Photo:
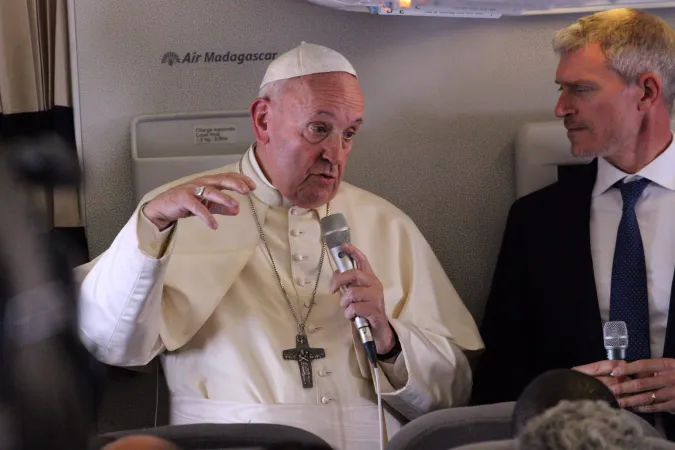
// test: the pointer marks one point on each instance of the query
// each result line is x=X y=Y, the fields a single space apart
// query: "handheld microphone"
x=616 y=339
x=335 y=232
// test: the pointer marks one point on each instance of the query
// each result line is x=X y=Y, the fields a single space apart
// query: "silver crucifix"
x=304 y=354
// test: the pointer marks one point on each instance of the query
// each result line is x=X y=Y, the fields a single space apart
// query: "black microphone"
x=616 y=339
x=335 y=233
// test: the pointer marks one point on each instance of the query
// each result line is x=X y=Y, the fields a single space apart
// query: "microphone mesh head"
x=335 y=230
x=615 y=334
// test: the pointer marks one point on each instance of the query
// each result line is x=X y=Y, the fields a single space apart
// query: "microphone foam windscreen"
x=615 y=334
x=335 y=230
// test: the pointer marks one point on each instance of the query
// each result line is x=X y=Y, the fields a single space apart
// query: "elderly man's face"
x=309 y=135
x=599 y=108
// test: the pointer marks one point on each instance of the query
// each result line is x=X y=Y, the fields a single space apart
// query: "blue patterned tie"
x=629 y=298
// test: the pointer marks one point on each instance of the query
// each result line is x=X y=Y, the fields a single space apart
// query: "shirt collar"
x=264 y=191
x=660 y=171
x=256 y=167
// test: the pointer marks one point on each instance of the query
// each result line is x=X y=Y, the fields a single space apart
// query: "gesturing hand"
x=182 y=201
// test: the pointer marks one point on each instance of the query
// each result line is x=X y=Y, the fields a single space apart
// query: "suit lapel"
x=576 y=189
x=669 y=345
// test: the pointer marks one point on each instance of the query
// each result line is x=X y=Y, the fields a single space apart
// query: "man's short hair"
x=554 y=386
x=634 y=43
x=581 y=425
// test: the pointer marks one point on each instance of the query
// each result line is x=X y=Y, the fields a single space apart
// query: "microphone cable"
x=380 y=411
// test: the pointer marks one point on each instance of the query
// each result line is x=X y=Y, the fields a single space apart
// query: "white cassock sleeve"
x=414 y=397
x=396 y=373
x=121 y=295
x=434 y=327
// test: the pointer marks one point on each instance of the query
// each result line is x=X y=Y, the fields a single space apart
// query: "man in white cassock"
x=223 y=271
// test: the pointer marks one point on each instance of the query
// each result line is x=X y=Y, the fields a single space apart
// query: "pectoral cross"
x=304 y=354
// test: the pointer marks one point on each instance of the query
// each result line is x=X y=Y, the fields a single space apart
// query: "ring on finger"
x=653 y=398
x=199 y=192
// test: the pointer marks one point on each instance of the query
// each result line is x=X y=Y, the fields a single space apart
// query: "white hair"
x=272 y=89
x=634 y=43
x=581 y=425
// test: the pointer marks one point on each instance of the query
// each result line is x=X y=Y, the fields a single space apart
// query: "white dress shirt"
x=656 y=217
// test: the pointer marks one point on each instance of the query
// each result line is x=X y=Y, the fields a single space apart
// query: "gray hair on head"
x=581 y=425
x=272 y=89
x=634 y=42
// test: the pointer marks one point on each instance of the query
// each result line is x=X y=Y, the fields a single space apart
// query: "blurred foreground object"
x=48 y=394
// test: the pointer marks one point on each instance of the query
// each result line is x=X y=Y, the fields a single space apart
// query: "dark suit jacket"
x=542 y=312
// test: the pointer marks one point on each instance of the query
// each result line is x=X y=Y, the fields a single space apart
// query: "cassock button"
x=322 y=373
x=298 y=257
x=325 y=400
x=296 y=233
x=300 y=281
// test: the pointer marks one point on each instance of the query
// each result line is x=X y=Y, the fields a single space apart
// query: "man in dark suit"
x=599 y=244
